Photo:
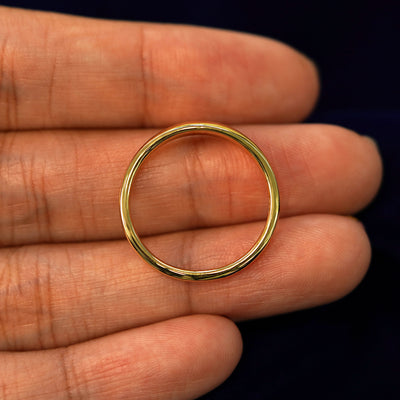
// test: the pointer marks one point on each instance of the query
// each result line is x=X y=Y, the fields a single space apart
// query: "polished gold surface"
x=195 y=129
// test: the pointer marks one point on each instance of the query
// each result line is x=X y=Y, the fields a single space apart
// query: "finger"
x=63 y=71
x=81 y=291
x=181 y=359
x=65 y=186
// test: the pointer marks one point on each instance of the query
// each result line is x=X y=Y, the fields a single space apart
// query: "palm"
x=77 y=99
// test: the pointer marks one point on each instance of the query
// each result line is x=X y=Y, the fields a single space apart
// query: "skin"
x=81 y=315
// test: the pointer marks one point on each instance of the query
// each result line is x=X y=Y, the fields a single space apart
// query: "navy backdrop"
x=349 y=349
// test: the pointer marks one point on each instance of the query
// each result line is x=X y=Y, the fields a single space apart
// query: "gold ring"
x=185 y=130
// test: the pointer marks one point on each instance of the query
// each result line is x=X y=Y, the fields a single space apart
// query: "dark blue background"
x=349 y=349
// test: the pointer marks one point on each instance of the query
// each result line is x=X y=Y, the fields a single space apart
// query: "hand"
x=78 y=97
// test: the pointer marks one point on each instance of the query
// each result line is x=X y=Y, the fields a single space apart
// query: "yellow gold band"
x=185 y=130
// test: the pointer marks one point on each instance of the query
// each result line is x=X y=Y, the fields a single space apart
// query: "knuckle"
x=24 y=210
x=26 y=314
x=8 y=88
x=74 y=384
x=194 y=171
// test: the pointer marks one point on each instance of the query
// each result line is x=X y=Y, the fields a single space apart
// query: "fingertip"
x=349 y=256
x=312 y=260
x=304 y=84
x=289 y=80
x=184 y=357
x=229 y=344
x=215 y=349
x=313 y=86
x=375 y=164
x=360 y=255
x=364 y=167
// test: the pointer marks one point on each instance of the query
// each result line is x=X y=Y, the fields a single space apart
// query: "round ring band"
x=194 y=129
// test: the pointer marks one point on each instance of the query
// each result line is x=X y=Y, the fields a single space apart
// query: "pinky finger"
x=181 y=358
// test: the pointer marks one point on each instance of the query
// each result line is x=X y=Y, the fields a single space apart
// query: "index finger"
x=59 y=71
